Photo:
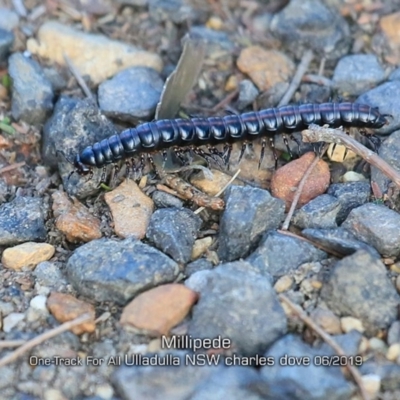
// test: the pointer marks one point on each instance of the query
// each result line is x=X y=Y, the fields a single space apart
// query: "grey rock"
x=131 y=95
x=49 y=274
x=198 y=265
x=8 y=19
x=6 y=41
x=356 y=73
x=311 y=25
x=233 y=383
x=176 y=11
x=320 y=212
x=358 y=286
x=293 y=382
x=279 y=254
x=174 y=230
x=387 y=371
x=395 y=75
x=376 y=225
x=236 y=303
x=339 y=240
x=162 y=200
x=173 y=382
x=387 y=98
x=74 y=125
x=247 y=94
x=218 y=44
x=57 y=80
x=248 y=213
x=394 y=333
x=109 y=270
x=22 y=220
x=314 y=93
x=350 y=195
x=32 y=93
x=388 y=151
x=8 y=374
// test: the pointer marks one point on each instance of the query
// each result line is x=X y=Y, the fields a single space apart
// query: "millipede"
x=188 y=135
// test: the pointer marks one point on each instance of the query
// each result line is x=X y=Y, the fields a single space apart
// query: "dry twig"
x=286 y=223
x=328 y=339
x=42 y=338
x=191 y=193
x=199 y=210
x=301 y=70
x=11 y=167
x=78 y=77
x=316 y=133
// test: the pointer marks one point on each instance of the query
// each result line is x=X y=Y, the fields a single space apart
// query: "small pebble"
x=286 y=180
x=39 y=303
x=210 y=186
x=131 y=210
x=350 y=195
x=351 y=176
x=279 y=254
x=65 y=307
x=11 y=321
x=327 y=320
x=393 y=335
x=393 y=352
x=174 y=230
x=376 y=225
x=248 y=213
x=200 y=247
x=131 y=95
x=311 y=24
x=49 y=274
x=358 y=287
x=238 y=303
x=162 y=200
x=388 y=37
x=350 y=323
x=199 y=265
x=32 y=93
x=26 y=255
x=357 y=73
x=320 y=212
x=74 y=220
x=386 y=98
x=93 y=55
x=283 y=284
x=377 y=345
x=265 y=67
x=8 y=19
x=177 y=11
x=372 y=384
x=158 y=310
x=111 y=270
x=247 y=94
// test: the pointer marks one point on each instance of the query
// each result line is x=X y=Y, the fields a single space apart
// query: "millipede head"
x=80 y=167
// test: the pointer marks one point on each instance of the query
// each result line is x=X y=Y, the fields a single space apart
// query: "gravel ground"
x=183 y=303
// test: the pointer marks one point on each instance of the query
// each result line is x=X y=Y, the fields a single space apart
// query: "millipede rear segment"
x=188 y=135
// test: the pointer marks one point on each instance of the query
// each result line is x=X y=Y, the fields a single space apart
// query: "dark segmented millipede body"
x=191 y=133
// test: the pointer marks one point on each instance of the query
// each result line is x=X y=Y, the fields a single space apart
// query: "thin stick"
x=316 y=133
x=199 y=210
x=301 y=70
x=78 y=77
x=318 y=79
x=328 y=339
x=42 y=338
x=11 y=167
x=286 y=223
x=4 y=344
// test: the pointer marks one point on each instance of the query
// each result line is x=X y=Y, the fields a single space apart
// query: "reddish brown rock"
x=65 y=307
x=286 y=179
x=131 y=210
x=74 y=220
x=160 y=309
x=27 y=255
x=265 y=67
x=388 y=39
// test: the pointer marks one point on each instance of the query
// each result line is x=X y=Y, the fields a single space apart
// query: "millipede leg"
x=263 y=144
x=285 y=140
x=103 y=175
x=272 y=144
x=298 y=142
x=227 y=154
x=128 y=168
x=242 y=150
x=153 y=165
